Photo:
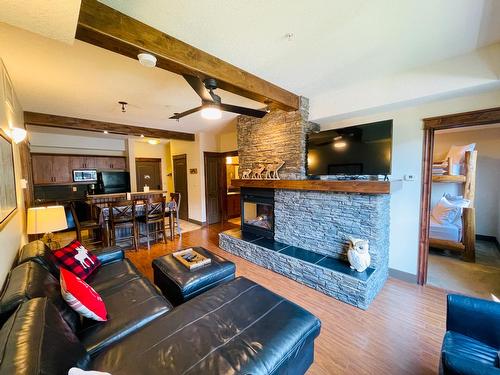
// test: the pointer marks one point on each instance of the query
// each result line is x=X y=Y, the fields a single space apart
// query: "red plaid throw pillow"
x=77 y=259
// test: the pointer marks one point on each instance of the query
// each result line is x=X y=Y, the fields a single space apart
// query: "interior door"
x=181 y=184
x=213 y=164
x=148 y=172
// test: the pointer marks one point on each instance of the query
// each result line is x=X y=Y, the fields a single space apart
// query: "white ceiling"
x=336 y=44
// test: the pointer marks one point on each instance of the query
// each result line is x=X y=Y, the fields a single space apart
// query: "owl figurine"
x=358 y=254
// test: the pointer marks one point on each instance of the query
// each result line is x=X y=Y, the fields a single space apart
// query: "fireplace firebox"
x=257 y=212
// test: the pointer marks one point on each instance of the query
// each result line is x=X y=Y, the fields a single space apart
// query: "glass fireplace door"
x=260 y=215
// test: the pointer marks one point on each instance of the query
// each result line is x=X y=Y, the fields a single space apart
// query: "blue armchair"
x=472 y=341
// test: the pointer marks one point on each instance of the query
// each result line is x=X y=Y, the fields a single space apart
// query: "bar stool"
x=173 y=214
x=154 y=216
x=92 y=226
x=122 y=217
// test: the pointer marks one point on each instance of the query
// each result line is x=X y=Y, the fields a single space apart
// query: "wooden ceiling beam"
x=55 y=121
x=103 y=26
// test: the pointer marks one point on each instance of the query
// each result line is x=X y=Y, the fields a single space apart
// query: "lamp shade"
x=46 y=219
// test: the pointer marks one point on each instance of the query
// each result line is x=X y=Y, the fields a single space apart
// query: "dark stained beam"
x=457 y=120
x=55 y=121
x=105 y=27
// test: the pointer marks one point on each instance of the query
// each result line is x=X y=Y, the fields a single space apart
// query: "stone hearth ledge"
x=345 y=285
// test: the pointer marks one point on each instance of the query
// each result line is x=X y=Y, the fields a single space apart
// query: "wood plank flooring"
x=401 y=332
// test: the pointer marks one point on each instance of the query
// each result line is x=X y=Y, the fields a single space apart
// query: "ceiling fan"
x=211 y=105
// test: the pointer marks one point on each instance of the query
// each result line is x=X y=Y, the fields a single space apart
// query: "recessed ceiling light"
x=153 y=141
x=147 y=60
x=105 y=132
x=142 y=135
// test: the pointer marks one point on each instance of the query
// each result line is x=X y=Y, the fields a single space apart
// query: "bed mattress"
x=446 y=231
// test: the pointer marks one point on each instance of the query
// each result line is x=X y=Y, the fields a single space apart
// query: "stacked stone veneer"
x=315 y=221
x=341 y=286
x=279 y=135
x=322 y=221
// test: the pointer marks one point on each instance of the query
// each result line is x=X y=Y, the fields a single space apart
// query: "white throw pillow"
x=446 y=211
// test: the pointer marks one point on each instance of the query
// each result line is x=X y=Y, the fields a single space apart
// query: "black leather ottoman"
x=179 y=284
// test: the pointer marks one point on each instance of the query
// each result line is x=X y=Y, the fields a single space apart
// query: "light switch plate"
x=409 y=177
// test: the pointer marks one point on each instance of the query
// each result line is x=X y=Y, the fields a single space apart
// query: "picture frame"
x=8 y=193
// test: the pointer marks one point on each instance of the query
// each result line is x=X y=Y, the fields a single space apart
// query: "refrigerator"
x=113 y=182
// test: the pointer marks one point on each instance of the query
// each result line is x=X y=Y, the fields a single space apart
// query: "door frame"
x=150 y=160
x=488 y=116
x=184 y=199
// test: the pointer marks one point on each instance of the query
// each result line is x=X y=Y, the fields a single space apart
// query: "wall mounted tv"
x=361 y=150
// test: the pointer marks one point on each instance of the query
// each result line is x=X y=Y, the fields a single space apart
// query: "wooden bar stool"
x=173 y=214
x=92 y=226
x=122 y=217
x=153 y=220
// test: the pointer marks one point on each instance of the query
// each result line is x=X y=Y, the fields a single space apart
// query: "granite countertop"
x=152 y=192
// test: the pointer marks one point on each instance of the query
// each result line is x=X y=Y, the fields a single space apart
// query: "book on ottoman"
x=191 y=259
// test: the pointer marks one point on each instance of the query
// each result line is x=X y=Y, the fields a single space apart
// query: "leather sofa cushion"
x=180 y=284
x=109 y=254
x=130 y=306
x=36 y=340
x=238 y=327
x=31 y=280
x=113 y=274
x=38 y=252
x=458 y=348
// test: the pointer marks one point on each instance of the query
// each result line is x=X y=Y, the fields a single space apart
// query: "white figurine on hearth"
x=358 y=254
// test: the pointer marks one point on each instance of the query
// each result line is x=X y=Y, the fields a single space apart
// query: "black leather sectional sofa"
x=238 y=327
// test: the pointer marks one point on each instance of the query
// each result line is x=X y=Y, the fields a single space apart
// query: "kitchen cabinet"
x=58 y=169
x=233 y=205
x=82 y=162
x=110 y=163
x=51 y=169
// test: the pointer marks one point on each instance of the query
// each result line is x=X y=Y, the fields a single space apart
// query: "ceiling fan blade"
x=199 y=87
x=243 y=110
x=177 y=116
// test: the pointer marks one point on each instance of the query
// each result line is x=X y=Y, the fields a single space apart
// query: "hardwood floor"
x=401 y=332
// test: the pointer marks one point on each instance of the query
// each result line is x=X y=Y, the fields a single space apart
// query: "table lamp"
x=46 y=220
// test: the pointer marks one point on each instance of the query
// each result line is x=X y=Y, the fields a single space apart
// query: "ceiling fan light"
x=211 y=113
x=147 y=60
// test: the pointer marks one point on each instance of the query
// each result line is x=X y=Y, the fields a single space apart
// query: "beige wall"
x=11 y=232
x=407 y=159
x=487 y=177
x=141 y=149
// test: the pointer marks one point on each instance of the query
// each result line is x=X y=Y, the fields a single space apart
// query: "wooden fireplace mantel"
x=357 y=186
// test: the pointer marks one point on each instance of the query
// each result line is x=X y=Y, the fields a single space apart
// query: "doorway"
x=148 y=173
x=461 y=253
x=222 y=200
x=181 y=183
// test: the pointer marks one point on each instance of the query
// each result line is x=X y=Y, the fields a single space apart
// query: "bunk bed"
x=462 y=238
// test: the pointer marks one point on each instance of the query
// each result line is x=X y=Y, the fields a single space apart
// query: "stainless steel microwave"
x=84 y=175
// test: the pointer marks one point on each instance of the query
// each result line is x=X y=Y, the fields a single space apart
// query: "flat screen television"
x=361 y=150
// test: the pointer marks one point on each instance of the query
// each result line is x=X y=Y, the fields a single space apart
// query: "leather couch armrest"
x=474 y=317
x=109 y=254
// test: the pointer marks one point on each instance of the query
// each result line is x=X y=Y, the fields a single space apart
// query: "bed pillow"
x=448 y=210
x=457 y=155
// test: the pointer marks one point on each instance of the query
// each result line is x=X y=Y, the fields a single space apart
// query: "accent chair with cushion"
x=471 y=344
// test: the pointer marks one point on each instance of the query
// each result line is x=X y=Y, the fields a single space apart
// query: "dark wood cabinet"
x=58 y=169
x=110 y=163
x=233 y=206
x=82 y=162
x=51 y=169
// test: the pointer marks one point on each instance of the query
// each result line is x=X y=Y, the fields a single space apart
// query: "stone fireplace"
x=303 y=233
